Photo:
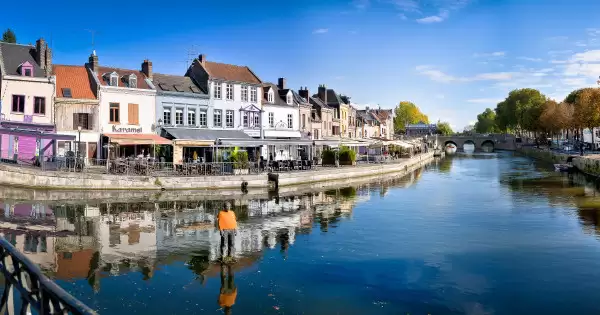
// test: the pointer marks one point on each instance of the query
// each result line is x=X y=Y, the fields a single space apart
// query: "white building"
x=127 y=109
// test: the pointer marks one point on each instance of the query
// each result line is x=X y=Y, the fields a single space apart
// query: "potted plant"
x=240 y=162
x=347 y=156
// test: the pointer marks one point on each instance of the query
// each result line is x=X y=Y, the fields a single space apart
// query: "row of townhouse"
x=100 y=111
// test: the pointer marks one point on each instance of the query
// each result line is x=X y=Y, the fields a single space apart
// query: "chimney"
x=202 y=59
x=367 y=108
x=40 y=52
x=323 y=93
x=48 y=61
x=147 y=68
x=93 y=61
x=281 y=83
x=303 y=92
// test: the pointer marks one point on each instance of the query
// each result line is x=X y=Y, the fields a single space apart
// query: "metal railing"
x=34 y=291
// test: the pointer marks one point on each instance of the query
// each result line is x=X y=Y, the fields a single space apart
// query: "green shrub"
x=239 y=159
x=328 y=157
x=347 y=156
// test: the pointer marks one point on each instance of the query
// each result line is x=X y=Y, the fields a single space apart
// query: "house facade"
x=386 y=119
x=26 y=100
x=235 y=96
x=76 y=109
x=327 y=98
x=127 y=110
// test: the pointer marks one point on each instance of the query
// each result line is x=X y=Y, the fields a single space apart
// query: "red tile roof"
x=141 y=77
x=76 y=78
x=230 y=72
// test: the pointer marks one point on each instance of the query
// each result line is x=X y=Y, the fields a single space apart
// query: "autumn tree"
x=521 y=110
x=444 y=128
x=486 y=122
x=587 y=109
x=408 y=113
x=9 y=36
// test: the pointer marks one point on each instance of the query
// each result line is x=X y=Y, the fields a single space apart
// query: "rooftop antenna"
x=93 y=32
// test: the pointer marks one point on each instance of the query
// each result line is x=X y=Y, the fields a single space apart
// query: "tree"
x=9 y=36
x=587 y=109
x=408 y=113
x=520 y=110
x=444 y=128
x=486 y=122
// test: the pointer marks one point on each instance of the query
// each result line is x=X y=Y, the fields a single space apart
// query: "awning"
x=204 y=134
x=35 y=134
x=282 y=134
x=138 y=138
x=251 y=142
x=402 y=144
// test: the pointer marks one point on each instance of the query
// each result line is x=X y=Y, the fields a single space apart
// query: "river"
x=471 y=234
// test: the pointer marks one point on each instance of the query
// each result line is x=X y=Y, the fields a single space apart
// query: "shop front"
x=119 y=145
x=25 y=140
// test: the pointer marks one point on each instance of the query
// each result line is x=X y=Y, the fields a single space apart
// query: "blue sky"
x=453 y=58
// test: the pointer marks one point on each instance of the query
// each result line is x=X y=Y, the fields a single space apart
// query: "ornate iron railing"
x=26 y=287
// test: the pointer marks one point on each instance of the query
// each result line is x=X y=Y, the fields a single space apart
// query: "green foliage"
x=347 y=156
x=408 y=113
x=521 y=110
x=486 y=122
x=328 y=157
x=239 y=159
x=9 y=36
x=444 y=128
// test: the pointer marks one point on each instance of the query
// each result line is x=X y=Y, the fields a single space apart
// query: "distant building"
x=421 y=129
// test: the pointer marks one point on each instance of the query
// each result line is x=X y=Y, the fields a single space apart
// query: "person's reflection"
x=228 y=292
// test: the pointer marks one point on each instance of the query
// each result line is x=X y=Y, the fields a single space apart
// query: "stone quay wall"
x=16 y=176
x=588 y=164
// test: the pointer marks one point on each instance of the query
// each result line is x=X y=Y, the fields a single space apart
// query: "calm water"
x=472 y=234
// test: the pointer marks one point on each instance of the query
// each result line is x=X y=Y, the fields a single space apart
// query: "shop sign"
x=116 y=129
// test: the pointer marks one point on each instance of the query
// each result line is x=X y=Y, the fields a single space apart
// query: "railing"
x=34 y=291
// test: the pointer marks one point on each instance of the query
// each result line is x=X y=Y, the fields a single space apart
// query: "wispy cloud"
x=436 y=75
x=559 y=52
x=530 y=59
x=434 y=18
x=440 y=96
x=402 y=16
x=484 y=101
x=496 y=54
x=406 y=5
x=557 y=38
x=426 y=9
x=361 y=4
x=321 y=31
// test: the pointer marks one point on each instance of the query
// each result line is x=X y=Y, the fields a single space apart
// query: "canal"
x=475 y=233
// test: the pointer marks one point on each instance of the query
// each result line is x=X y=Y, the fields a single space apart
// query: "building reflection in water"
x=95 y=240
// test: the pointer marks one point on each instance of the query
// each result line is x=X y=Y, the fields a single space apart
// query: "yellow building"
x=344 y=113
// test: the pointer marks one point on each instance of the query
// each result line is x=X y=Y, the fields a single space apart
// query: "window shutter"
x=90 y=124
x=75 y=121
x=133 y=114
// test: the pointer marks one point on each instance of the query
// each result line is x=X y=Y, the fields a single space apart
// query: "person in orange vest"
x=228 y=229
x=228 y=292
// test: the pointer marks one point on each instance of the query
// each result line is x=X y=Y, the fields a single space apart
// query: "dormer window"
x=132 y=81
x=113 y=79
x=270 y=97
x=289 y=99
x=26 y=69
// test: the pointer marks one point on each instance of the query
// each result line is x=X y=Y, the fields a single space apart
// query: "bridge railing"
x=27 y=287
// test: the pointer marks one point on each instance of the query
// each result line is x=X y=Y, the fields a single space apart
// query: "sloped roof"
x=280 y=95
x=141 y=77
x=13 y=55
x=229 y=72
x=75 y=78
x=175 y=83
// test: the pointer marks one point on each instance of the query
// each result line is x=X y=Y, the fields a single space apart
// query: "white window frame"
x=179 y=119
x=229 y=91
x=253 y=94
x=271 y=119
x=132 y=80
x=217 y=90
x=203 y=118
x=191 y=114
x=256 y=120
x=290 y=121
x=228 y=123
x=244 y=93
x=165 y=111
x=270 y=96
x=218 y=118
x=115 y=77
x=289 y=99
x=245 y=119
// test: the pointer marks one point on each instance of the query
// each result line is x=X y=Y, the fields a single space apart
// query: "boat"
x=562 y=167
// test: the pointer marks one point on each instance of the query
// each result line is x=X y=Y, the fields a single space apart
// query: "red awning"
x=138 y=138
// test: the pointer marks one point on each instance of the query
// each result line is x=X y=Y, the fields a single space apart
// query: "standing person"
x=228 y=228
x=228 y=292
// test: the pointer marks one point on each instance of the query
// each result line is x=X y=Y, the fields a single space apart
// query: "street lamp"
x=79 y=141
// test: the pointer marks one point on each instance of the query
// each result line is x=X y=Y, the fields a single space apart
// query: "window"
x=166 y=116
x=229 y=90
x=203 y=118
x=114 y=113
x=290 y=121
x=218 y=118
x=39 y=105
x=289 y=99
x=217 y=90
x=179 y=117
x=253 y=94
x=256 y=120
x=133 y=114
x=114 y=80
x=271 y=120
x=132 y=81
x=303 y=121
x=191 y=119
x=18 y=103
x=245 y=119
x=244 y=93
x=28 y=72
x=229 y=119
x=67 y=92
x=270 y=97
x=83 y=120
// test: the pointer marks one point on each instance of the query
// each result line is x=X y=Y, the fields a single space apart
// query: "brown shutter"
x=75 y=121
x=133 y=114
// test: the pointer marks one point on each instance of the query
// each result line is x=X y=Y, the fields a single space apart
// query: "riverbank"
x=34 y=178
x=588 y=164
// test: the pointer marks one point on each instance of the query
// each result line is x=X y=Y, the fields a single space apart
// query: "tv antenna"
x=93 y=32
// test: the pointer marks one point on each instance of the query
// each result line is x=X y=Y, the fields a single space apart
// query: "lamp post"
x=78 y=141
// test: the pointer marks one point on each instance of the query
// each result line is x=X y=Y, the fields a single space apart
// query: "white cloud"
x=439 y=76
x=406 y=5
x=361 y=4
x=588 y=56
x=580 y=44
x=440 y=96
x=412 y=7
x=530 y=59
x=321 y=31
x=434 y=18
x=557 y=62
x=493 y=76
x=574 y=81
x=495 y=54
x=559 y=52
x=485 y=101
x=402 y=16
x=557 y=38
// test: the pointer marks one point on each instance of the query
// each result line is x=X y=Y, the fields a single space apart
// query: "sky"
x=453 y=58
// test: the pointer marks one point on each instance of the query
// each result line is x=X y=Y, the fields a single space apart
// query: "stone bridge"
x=497 y=142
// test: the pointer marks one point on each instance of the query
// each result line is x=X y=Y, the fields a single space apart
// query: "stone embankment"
x=11 y=175
x=589 y=164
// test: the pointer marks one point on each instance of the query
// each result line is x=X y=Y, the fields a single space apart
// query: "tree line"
x=407 y=113
x=528 y=110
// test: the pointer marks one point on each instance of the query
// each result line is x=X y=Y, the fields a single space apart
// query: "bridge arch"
x=488 y=143
x=469 y=142
x=450 y=142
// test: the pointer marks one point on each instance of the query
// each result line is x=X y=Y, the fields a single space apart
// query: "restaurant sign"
x=116 y=129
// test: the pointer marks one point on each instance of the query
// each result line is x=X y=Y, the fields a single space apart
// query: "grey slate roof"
x=315 y=100
x=13 y=55
x=203 y=134
x=280 y=95
x=175 y=83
